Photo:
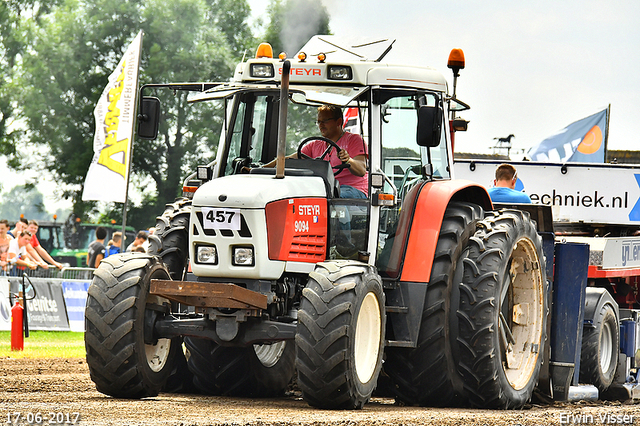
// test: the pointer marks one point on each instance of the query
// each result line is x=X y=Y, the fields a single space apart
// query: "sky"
x=532 y=68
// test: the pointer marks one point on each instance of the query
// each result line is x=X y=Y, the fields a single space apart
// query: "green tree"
x=16 y=17
x=80 y=43
x=23 y=200
x=74 y=50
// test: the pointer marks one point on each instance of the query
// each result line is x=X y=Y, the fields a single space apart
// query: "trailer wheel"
x=502 y=312
x=170 y=240
x=600 y=347
x=340 y=335
x=124 y=359
x=254 y=371
x=426 y=375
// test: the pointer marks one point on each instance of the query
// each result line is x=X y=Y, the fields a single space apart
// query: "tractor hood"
x=256 y=191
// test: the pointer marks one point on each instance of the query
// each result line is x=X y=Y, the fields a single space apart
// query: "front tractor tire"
x=123 y=358
x=503 y=311
x=340 y=335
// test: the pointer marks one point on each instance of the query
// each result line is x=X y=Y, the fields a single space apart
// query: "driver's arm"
x=358 y=163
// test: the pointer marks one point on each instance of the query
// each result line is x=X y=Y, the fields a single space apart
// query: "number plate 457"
x=221 y=218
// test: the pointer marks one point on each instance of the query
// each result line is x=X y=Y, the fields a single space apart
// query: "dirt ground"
x=61 y=391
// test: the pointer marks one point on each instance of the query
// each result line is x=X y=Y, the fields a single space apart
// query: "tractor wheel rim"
x=367 y=337
x=606 y=345
x=520 y=329
x=269 y=355
x=158 y=354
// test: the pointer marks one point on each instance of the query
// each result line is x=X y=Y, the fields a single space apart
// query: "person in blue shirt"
x=114 y=246
x=503 y=190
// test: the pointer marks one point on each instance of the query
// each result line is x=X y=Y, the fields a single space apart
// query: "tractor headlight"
x=206 y=254
x=262 y=71
x=243 y=256
x=340 y=72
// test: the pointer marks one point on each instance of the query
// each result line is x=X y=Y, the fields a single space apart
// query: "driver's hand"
x=344 y=156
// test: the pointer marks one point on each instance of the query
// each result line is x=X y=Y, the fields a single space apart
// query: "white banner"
x=115 y=111
x=589 y=193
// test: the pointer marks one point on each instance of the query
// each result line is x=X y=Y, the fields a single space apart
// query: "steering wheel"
x=336 y=169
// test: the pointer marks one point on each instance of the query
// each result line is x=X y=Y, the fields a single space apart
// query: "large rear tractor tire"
x=170 y=240
x=503 y=311
x=123 y=358
x=254 y=371
x=427 y=375
x=600 y=347
x=340 y=335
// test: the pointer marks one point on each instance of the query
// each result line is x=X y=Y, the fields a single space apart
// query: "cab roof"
x=353 y=62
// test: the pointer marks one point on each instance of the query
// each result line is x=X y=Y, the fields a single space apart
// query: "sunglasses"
x=324 y=121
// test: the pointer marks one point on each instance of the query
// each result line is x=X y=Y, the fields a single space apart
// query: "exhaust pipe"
x=282 y=119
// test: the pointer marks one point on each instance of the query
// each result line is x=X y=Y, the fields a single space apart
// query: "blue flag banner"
x=579 y=142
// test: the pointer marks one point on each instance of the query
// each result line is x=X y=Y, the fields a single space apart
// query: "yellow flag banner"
x=115 y=111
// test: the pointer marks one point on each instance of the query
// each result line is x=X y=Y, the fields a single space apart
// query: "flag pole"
x=135 y=120
x=606 y=134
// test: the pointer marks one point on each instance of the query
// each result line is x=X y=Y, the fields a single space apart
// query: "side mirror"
x=459 y=124
x=429 y=126
x=149 y=118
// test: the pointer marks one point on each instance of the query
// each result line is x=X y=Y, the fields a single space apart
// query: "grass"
x=45 y=344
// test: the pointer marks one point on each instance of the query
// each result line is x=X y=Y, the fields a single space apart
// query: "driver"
x=353 y=180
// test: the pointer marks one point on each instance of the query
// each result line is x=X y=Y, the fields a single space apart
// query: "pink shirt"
x=354 y=145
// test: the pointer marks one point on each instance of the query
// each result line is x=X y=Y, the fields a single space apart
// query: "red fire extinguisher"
x=17 y=338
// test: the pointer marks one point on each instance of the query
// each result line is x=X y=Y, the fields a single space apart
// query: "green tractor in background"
x=68 y=241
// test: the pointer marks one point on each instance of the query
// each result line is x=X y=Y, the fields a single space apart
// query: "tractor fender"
x=595 y=299
x=426 y=220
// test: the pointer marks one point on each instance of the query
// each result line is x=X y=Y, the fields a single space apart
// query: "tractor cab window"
x=402 y=161
x=51 y=237
x=250 y=139
x=235 y=145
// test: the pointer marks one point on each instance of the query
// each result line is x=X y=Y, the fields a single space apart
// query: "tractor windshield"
x=252 y=127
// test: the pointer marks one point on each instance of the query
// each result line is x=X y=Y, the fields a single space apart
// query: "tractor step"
x=208 y=295
x=399 y=343
x=397 y=309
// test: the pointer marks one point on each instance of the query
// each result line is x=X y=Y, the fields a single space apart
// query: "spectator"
x=141 y=238
x=20 y=226
x=5 y=238
x=139 y=249
x=503 y=190
x=96 y=249
x=42 y=254
x=17 y=254
x=114 y=245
